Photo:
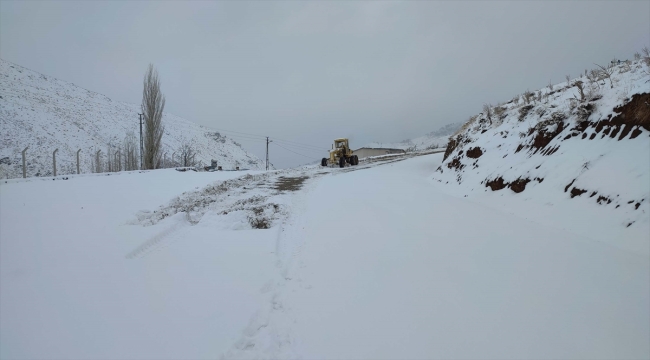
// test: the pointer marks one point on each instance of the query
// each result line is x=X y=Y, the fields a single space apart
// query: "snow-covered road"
x=372 y=262
x=391 y=267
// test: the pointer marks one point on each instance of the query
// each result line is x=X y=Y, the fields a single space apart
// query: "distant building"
x=365 y=152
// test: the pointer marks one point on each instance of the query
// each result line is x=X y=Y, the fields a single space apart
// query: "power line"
x=297 y=143
x=309 y=157
x=239 y=132
x=244 y=138
x=302 y=148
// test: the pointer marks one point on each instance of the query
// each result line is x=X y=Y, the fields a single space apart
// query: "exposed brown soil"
x=566 y=188
x=455 y=164
x=636 y=132
x=550 y=151
x=635 y=112
x=603 y=199
x=519 y=185
x=582 y=126
x=474 y=153
x=290 y=183
x=543 y=137
x=451 y=146
x=636 y=206
x=577 y=192
x=496 y=184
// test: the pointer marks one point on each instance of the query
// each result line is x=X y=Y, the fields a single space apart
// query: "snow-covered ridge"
x=45 y=113
x=578 y=150
x=433 y=140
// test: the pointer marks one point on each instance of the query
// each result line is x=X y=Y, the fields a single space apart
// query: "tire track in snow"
x=157 y=240
x=269 y=333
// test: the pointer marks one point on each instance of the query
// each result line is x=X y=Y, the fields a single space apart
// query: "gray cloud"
x=313 y=71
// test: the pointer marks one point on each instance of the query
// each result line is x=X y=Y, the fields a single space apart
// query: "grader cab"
x=340 y=154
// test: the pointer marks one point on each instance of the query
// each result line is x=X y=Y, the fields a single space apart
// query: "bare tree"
x=130 y=150
x=487 y=110
x=187 y=154
x=606 y=73
x=528 y=96
x=515 y=100
x=153 y=104
x=646 y=55
x=578 y=84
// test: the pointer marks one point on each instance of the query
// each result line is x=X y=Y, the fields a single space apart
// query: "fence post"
x=78 y=160
x=54 y=160
x=24 y=168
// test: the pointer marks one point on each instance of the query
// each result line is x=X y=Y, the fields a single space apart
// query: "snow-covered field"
x=45 y=113
x=374 y=261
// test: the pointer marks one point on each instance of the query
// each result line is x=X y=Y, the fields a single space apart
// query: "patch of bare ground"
x=635 y=112
x=474 y=153
x=290 y=183
x=566 y=188
x=630 y=119
x=543 y=136
x=455 y=164
x=451 y=146
x=517 y=186
x=496 y=184
x=577 y=192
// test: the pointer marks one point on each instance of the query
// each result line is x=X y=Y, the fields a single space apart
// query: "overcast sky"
x=312 y=71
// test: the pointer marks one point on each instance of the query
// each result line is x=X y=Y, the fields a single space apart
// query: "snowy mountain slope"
x=45 y=113
x=432 y=140
x=389 y=270
x=569 y=158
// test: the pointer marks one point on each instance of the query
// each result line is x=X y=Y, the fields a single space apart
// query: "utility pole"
x=141 y=144
x=267 y=152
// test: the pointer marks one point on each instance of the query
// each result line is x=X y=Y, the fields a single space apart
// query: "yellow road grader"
x=340 y=154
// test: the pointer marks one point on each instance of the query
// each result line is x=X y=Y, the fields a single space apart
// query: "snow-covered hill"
x=575 y=155
x=432 y=140
x=44 y=113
